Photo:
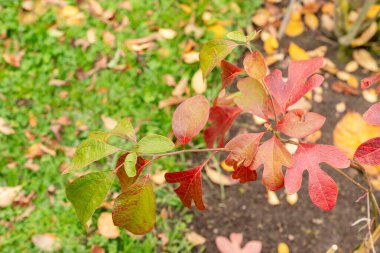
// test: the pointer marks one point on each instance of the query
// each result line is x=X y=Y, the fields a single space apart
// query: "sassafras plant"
x=266 y=96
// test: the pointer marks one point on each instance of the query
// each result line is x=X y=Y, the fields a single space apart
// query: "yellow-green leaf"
x=154 y=144
x=237 y=36
x=129 y=164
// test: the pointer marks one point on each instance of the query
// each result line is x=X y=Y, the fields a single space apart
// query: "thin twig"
x=285 y=21
x=350 y=179
x=186 y=151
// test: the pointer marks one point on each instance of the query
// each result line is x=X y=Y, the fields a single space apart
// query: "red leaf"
x=298 y=84
x=372 y=116
x=126 y=181
x=254 y=65
x=229 y=72
x=221 y=118
x=369 y=152
x=273 y=155
x=243 y=149
x=369 y=81
x=234 y=244
x=190 y=185
x=190 y=117
x=323 y=190
x=299 y=124
x=253 y=98
x=244 y=174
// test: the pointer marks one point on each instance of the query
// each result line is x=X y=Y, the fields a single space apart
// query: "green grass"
x=134 y=93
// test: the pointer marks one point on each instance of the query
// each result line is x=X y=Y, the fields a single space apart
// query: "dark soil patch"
x=304 y=227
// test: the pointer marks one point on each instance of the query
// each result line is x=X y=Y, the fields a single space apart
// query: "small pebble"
x=292 y=198
x=351 y=66
x=272 y=198
x=340 y=107
x=318 y=90
x=370 y=95
x=343 y=75
x=318 y=98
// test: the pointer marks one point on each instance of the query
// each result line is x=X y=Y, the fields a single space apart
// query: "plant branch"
x=350 y=179
x=351 y=34
x=285 y=21
x=156 y=156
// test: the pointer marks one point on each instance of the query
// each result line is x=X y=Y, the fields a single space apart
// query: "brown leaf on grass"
x=158 y=177
x=24 y=200
x=8 y=194
x=38 y=150
x=106 y=227
x=191 y=57
x=181 y=87
x=170 y=101
x=58 y=83
x=47 y=242
x=109 y=123
x=169 y=80
x=95 y=8
x=167 y=33
x=14 y=59
x=5 y=127
x=32 y=119
x=164 y=238
x=109 y=38
x=31 y=165
x=365 y=36
x=71 y=16
x=195 y=238
x=97 y=249
x=197 y=83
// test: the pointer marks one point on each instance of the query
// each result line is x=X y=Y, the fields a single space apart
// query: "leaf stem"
x=270 y=98
x=350 y=179
x=156 y=156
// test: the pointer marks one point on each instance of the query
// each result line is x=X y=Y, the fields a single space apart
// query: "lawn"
x=78 y=73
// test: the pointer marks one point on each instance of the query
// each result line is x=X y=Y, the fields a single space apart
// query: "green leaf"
x=154 y=143
x=87 y=192
x=125 y=129
x=90 y=151
x=135 y=209
x=100 y=136
x=213 y=52
x=251 y=36
x=237 y=36
x=130 y=163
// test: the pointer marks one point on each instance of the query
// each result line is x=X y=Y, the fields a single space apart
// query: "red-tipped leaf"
x=221 y=119
x=126 y=181
x=229 y=72
x=254 y=65
x=190 y=117
x=299 y=124
x=369 y=152
x=323 y=190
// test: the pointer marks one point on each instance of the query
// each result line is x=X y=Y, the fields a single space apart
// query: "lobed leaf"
x=190 y=188
x=87 y=192
x=298 y=84
x=221 y=119
x=213 y=52
x=90 y=151
x=273 y=155
x=125 y=180
x=244 y=174
x=154 y=144
x=372 y=115
x=190 y=117
x=369 y=152
x=255 y=66
x=130 y=164
x=135 y=209
x=252 y=97
x=229 y=72
x=299 y=124
x=323 y=190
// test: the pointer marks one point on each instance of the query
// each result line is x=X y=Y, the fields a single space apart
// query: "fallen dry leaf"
x=97 y=249
x=327 y=22
x=297 y=53
x=295 y=26
x=234 y=244
x=8 y=194
x=195 y=238
x=364 y=59
x=218 y=178
x=158 y=177
x=197 y=83
x=167 y=33
x=109 y=38
x=272 y=198
x=5 y=127
x=14 y=59
x=283 y=248
x=47 y=242
x=191 y=57
x=109 y=123
x=106 y=227
x=365 y=36
x=311 y=21
x=181 y=87
x=170 y=101
x=292 y=198
x=271 y=44
x=370 y=95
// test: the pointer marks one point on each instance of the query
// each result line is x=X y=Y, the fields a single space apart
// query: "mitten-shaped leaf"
x=323 y=190
x=299 y=124
x=369 y=81
x=254 y=65
x=125 y=180
x=234 y=244
x=190 y=117
x=229 y=72
x=369 y=152
x=213 y=52
x=298 y=84
x=221 y=119
x=243 y=149
x=272 y=154
x=87 y=192
x=244 y=174
x=90 y=151
x=135 y=209
x=372 y=115
x=252 y=97
x=190 y=186
x=154 y=144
